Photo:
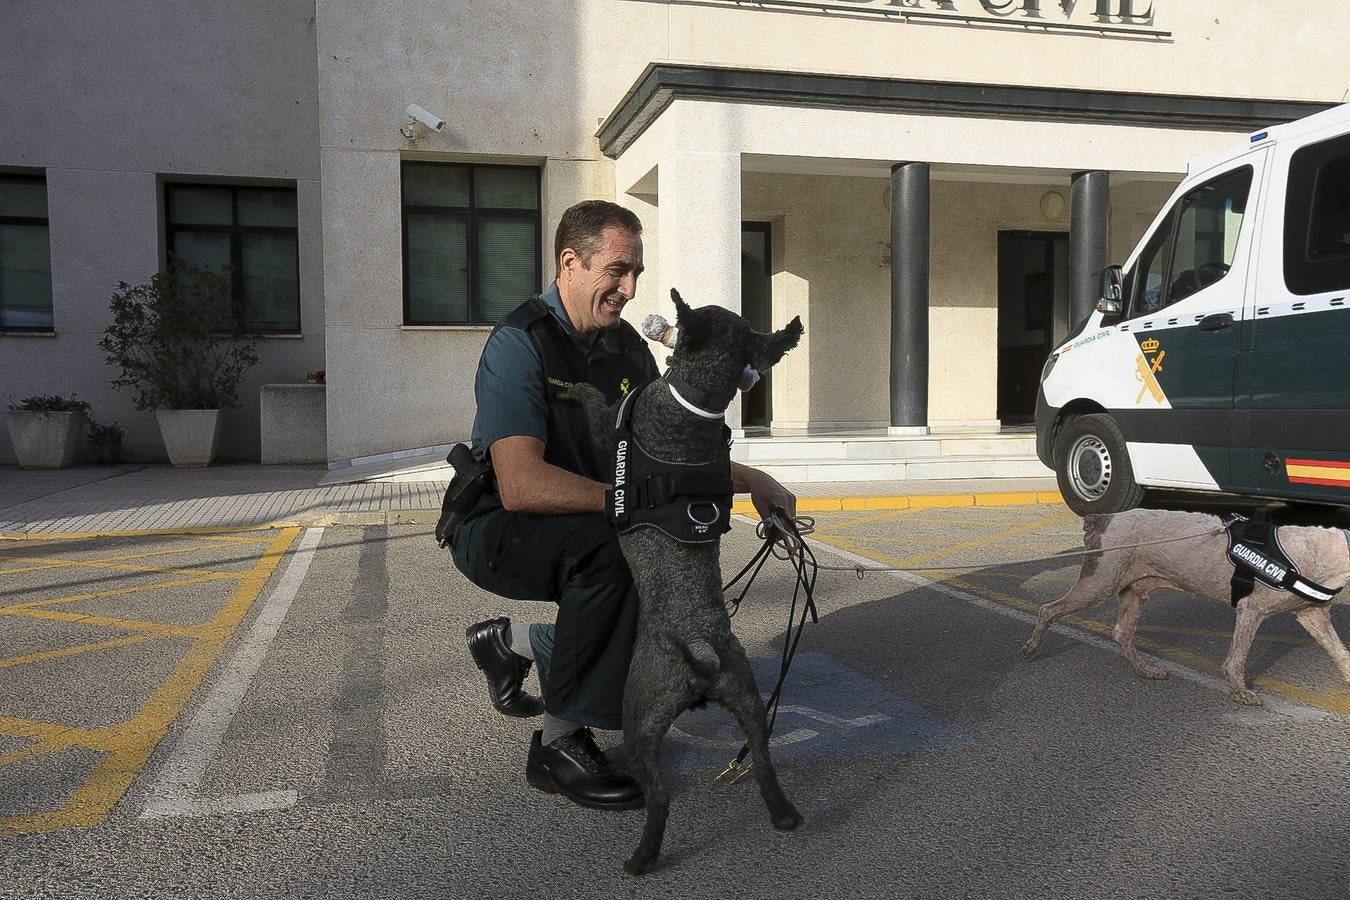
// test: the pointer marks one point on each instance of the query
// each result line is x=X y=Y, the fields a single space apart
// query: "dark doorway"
x=756 y=307
x=1033 y=303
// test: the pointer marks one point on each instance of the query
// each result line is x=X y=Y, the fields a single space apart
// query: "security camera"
x=429 y=119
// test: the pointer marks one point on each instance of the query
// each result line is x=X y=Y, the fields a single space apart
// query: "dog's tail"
x=702 y=658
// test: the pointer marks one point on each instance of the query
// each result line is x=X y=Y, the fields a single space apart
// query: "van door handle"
x=1216 y=321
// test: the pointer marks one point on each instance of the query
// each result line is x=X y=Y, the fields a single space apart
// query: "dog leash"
x=860 y=570
x=778 y=531
x=785 y=535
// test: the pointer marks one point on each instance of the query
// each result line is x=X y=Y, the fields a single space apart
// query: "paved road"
x=290 y=712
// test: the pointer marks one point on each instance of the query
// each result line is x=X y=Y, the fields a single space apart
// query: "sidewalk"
x=159 y=497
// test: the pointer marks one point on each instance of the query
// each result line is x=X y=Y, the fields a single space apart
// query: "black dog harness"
x=690 y=502
x=1255 y=551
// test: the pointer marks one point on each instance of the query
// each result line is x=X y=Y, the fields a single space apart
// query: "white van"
x=1218 y=358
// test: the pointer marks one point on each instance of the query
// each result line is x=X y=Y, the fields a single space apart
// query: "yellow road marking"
x=63 y=652
x=917 y=501
x=979 y=542
x=1337 y=701
x=159 y=629
x=103 y=564
x=906 y=539
x=126 y=746
x=115 y=592
x=36 y=731
x=143 y=532
x=106 y=561
x=864 y=520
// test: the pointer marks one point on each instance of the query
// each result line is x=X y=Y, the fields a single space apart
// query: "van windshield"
x=1194 y=247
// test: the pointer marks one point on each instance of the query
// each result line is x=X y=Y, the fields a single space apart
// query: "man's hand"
x=765 y=492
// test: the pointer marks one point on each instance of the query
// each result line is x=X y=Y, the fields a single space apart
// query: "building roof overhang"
x=661 y=84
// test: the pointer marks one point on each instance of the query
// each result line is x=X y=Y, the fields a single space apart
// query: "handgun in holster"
x=472 y=479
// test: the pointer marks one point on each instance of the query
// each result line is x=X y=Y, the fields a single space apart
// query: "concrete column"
x=1089 y=211
x=909 y=298
x=699 y=220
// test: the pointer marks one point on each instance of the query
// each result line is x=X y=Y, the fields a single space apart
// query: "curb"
x=913 y=501
x=358 y=519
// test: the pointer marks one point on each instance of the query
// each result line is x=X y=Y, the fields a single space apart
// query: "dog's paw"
x=788 y=821
x=1152 y=672
x=1030 y=647
x=1248 y=698
x=636 y=865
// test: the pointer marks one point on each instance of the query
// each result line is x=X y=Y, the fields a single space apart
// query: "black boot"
x=579 y=770
x=504 y=669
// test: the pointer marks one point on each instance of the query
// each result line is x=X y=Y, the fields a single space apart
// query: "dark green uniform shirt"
x=512 y=395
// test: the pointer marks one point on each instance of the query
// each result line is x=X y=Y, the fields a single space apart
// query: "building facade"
x=932 y=185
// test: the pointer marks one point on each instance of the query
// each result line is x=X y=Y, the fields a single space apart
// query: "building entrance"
x=756 y=307
x=1033 y=308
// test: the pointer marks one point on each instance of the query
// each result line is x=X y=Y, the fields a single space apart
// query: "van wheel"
x=1093 y=467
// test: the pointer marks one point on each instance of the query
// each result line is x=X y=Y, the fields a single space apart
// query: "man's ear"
x=774 y=345
x=694 y=327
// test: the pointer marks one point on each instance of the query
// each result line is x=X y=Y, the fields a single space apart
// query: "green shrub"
x=50 y=403
x=174 y=340
x=107 y=441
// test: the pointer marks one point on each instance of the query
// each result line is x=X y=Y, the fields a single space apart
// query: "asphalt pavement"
x=287 y=709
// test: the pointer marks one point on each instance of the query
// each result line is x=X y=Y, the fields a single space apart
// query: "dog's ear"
x=772 y=346
x=694 y=327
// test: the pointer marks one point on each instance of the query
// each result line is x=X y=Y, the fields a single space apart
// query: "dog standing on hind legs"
x=1199 y=565
x=685 y=652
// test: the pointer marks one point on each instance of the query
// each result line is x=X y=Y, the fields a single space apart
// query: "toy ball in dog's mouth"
x=656 y=328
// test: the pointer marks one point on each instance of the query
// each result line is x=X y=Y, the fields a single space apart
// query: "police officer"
x=542 y=533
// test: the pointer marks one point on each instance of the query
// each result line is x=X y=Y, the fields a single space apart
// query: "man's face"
x=595 y=294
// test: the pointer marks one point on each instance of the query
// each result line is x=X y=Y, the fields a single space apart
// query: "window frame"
x=235 y=231
x=1302 y=275
x=45 y=222
x=1172 y=222
x=472 y=214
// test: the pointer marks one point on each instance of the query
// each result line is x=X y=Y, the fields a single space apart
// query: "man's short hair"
x=583 y=226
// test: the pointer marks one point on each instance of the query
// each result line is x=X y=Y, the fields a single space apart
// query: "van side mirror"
x=1109 y=302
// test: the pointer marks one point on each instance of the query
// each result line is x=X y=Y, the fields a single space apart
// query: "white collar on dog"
x=691 y=407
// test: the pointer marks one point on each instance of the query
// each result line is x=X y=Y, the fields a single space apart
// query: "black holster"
x=472 y=479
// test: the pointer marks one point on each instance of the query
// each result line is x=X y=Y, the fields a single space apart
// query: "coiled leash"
x=778 y=531
x=785 y=535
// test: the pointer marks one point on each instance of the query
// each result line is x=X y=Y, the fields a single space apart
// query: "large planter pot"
x=44 y=440
x=190 y=435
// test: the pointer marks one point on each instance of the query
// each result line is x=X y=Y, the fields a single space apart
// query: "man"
x=543 y=534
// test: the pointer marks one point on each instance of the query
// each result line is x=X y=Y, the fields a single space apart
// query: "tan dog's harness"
x=1255 y=552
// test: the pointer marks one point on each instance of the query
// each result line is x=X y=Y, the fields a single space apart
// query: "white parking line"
x=177 y=789
x=1273 y=703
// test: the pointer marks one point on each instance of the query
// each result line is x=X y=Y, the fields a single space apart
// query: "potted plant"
x=45 y=430
x=107 y=441
x=181 y=353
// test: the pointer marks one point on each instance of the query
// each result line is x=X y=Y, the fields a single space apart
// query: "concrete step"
x=916 y=469
x=805 y=458
x=756 y=450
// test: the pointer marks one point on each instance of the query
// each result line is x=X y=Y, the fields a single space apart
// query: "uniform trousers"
x=575 y=562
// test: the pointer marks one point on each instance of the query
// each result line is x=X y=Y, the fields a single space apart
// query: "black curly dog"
x=685 y=652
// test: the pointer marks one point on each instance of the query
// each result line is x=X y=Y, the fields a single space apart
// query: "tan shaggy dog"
x=1199 y=565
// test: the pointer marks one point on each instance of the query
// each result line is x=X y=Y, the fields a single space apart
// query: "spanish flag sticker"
x=1318 y=471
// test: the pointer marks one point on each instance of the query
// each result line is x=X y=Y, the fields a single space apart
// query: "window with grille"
x=25 y=255
x=471 y=242
x=251 y=231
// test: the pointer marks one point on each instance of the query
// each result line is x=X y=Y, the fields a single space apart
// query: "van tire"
x=1093 y=467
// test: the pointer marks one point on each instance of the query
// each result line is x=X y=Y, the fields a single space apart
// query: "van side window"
x=1195 y=246
x=1146 y=288
x=1211 y=219
x=1317 y=218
